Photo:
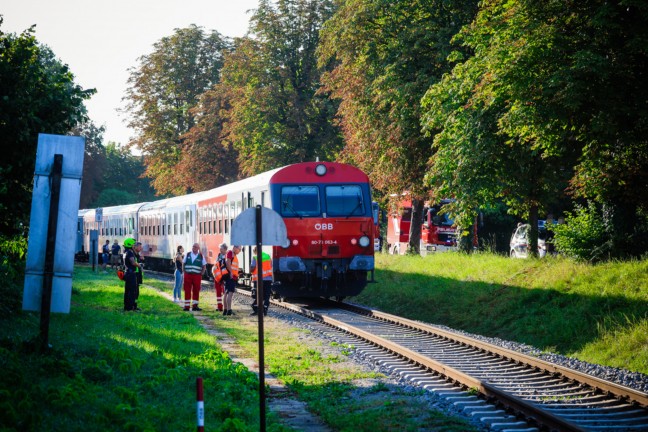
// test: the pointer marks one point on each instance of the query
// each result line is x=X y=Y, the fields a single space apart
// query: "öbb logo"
x=324 y=227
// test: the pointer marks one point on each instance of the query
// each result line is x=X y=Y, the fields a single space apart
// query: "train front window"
x=344 y=200
x=300 y=201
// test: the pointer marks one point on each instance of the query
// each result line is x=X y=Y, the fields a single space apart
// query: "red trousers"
x=219 y=287
x=192 y=289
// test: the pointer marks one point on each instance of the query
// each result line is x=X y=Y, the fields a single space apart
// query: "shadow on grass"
x=550 y=318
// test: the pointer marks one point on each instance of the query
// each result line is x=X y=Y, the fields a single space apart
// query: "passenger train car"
x=326 y=207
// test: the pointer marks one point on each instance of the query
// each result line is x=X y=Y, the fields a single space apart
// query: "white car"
x=519 y=245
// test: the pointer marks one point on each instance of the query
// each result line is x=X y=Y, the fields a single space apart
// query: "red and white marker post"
x=200 y=405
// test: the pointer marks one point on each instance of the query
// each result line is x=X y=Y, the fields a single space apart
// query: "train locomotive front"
x=327 y=210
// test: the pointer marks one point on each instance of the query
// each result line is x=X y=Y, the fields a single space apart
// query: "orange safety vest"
x=235 y=267
x=266 y=267
x=218 y=271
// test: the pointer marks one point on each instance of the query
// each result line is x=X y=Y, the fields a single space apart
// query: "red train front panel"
x=328 y=215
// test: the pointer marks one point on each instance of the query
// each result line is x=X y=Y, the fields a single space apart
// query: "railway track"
x=507 y=390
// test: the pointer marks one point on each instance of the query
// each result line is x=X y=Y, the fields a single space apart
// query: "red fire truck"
x=438 y=233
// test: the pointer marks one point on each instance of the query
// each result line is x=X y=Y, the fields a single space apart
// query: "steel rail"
x=530 y=411
x=618 y=390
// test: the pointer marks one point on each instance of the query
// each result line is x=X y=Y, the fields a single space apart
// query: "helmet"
x=129 y=242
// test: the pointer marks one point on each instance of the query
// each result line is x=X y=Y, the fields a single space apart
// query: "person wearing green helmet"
x=130 y=276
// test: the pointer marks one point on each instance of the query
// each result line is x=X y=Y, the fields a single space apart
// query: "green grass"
x=111 y=370
x=114 y=371
x=597 y=313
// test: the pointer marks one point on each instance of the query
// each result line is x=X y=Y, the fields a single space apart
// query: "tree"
x=37 y=95
x=163 y=89
x=385 y=55
x=94 y=162
x=555 y=90
x=275 y=115
x=208 y=159
x=122 y=178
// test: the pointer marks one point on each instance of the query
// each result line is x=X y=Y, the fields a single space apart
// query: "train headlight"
x=354 y=241
x=320 y=170
x=295 y=242
x=365 y=241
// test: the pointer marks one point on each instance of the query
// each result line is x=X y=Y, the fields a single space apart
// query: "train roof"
x=248 y=183
x=304 y=172
x=308 y=172
x=178 y=201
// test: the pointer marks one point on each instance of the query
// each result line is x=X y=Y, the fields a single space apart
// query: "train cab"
x=327 y=209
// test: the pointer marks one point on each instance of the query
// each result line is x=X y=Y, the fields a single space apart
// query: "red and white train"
x=326 y=206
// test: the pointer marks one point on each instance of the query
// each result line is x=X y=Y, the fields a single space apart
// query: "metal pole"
x=260 y=309
x=48 y=274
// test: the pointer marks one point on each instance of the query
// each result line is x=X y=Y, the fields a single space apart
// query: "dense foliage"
x=386 y=55
x=510 y=106
x=164 y=88
x=37 y=95
x=554 y=92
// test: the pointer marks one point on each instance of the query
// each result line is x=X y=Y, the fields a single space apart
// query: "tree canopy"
x=276 y=115
x=554 y=92
x=163 y=89
x=385 y=55
x=37 y=95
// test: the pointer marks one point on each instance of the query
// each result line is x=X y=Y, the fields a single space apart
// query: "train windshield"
x=344 y=200
x=300 y=201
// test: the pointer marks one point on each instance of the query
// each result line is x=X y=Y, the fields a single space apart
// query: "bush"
x=12 y=271
x=583 y=235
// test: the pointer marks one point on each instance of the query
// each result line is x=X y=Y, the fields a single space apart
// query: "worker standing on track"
x=266 y=268
x=193 y=268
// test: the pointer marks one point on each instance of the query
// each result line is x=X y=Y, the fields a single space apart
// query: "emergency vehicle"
x=438 y=232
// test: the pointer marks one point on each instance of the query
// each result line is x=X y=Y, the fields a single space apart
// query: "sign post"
x=53 y=226
x=48 y=273
x=259 y=226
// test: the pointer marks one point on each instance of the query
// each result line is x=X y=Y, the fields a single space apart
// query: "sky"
x=100 y=40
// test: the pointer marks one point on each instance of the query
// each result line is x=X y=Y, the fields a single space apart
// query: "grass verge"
x=111 y=370
x=596 y=313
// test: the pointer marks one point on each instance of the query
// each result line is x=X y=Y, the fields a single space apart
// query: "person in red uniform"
x=232 y=264
x=220 y=275
x=193 y=268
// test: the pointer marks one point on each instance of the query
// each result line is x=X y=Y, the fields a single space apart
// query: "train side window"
x=188 y=219
x=300 y=201
x=262 y=198
x=220 y=226
x=209 y=219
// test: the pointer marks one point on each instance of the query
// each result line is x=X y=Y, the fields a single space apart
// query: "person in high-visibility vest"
x=266 y=272
x=220 y=275
x=193 y=268
x=232 y=264
x=130 y=276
